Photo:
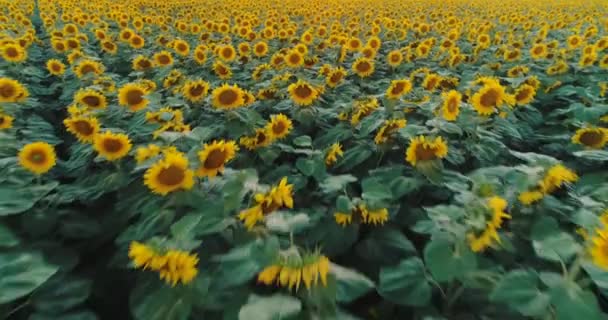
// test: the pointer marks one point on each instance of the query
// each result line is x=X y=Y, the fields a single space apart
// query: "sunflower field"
x=323 y=159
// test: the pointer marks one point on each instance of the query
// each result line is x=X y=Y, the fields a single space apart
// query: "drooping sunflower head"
x=163 y=58
x=227 y=97
x=424 y=149
x=593 y=138
x=91 y=99
x=334 y=151
x=195 y=90
x=55 y=67
x=525 y=94
x=451 y=105
x=12 y=91
x=86 y=67
x=169 y=174
x=279 y=126
x=37 y=157
x=388 y=129
x=84 y=128
x=214 y=157
x=302 y=93
x=363 y=67
x=398 y=88
x=112 y=146
x=131 y=95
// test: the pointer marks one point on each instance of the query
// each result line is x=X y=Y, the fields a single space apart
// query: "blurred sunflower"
x=363 y=67
x=112 y=146
x=227 y=53
x=222 y=70
x=55 y=67
x=227 y=97
x=169 y=174
x=489 y=97
x=142 y=63
x=37 y=157
x=195 y=90
x=394 y=58
x=424 y=149
x=593 y=138
x=214 y=157
x=86 y=67
x=388 y=129
x=6 y=121
x=91 y=99
x=332 y=154
x=131 y=95
x=13 y=53
x=163 y=58
x=335 y=77
x=398 y=88
x=302 y=93
x=12 y=91
x=525 y=94
x=84 y=128
x=279 y=126
x=260 y=49
x=451 y=105
x=294 y=59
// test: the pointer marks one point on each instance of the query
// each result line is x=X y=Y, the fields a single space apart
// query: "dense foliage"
x=394 y=159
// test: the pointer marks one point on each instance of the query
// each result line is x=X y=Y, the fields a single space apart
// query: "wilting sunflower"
x=142 y=63
x=388 y=129
x=593 y=138
x=375 y=217
x=131 y=95
x=86 y=67
x=163 y=58
x=279 y=126
x=227 y=97
x=227 y=53
x=525 y=94
x=222 y=70
x=424 y=149
x=6 y=121
x=260 y=49
x=294 y=59
x=451 y=105
x=169 y=174
x=335 y=77
x=489 y=97
x=195 y=90
x=37 y=157
x=91 y=98
x=334 y=151
x=291 y=273
x=12 y=91
x=214 y=157
x=398 y=88
x=302 y=93
x=13 y=53
x=111 y=146
x=55 y=67
x=394 y=58
x=363 y=67
x=84 y=128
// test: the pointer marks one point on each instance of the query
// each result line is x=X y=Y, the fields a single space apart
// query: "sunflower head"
x=302 y=93
x=398 y=88
x=163 y=58
x=227 y=53
x=112 y=146
x=228 y=97
x=6 y=121
x=91 y=99
x=335 y=77
x=142 y=63
x=84 y=128
x=424 y=149
x=279 y=126
x=394 y=58
x=12 y=91
x=55 y=67
x=525 y=94
x=131 y=95
x=169 y=174
x=222 y=70
x=37 y=157
x=86 y=67
x=214 y=157
x=195 y=90
x=593 y=138
x=13 y=53
x=451 y=105
x=363 y=67
x=294 y=59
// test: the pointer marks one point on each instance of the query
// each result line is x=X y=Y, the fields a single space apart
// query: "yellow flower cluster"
x=555 y=177
x=279 y=196
x=173 y=266
x=361 y=213
x=277 y=128
x=311 y=271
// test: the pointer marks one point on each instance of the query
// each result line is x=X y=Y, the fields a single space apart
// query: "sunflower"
x=195 y=90
x=394 y=58
x=260 y=139
x=214 y=157
x=587 y=60
x=489 y=97
x=12 y=91
x=126 y=34
x=363 y=67
x=574 y=41
x=37 y=157
x=388 y=129
x=163 y=58
x=451 y=105
x=375 y=217
x=131 y=95
x=13 y=53
x=74 y=56
x=279 y=126
x=55 y=67
x=86 y=67
x=431 y=81
x=142 y=63
x=604 y=62
x=227 y=97
x=260 y=49
x=59 y=45
x=200 y=55
x=539 y=51
x=398 y=88
x=221 y=70
x=512 y=55
x=335 y=77
x=525 y=94
x=555 y=177
x=302 y=93
x=424 y=149
x=343 y=219
x=277 y=60
x=594 y=138
x=258 y=72
x=137 y=42
x=529 y=197
x=6 y=121
x=111 y=146
x=227 y=53
x=599 y=248
x=146 y=153
x=290 y=273
x=84 y=128
x=91 y=99
x=334 y=151
x=181 y=47
x=169 y=174
x=294 y=59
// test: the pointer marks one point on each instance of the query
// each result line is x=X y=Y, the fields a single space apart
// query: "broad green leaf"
x=71 y=315
x=274 y=307
x=385 y=244
x=343 y=204
x=353 y=157
x=597 y=155
x=21 y=273
x=302 y=141
x=164 y=303
x=14 y=199
x=405 y=283
x=285 y=222
x=375 y=190
x=446 y=260
x=519 y=289
x=60 y=294
x=7 y=237
x=401 y=186
x=551 y=243
x=572 y=302
x=350 y=283
x=336 y=183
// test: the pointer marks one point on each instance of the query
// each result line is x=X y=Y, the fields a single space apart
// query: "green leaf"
x=285 y=222
x=165 y=303
x=446 y=260
x=401 y=186
x=7 y=237
x=14 y=200
x=336 y=183
x=405 y=284
x=343 y=204
x=353 y=157
x=274 y=307
x=375 y=190
x=72 y=315
x=303 y=141
x=385 y=244
x=21 y=273
x=571 y=302
x=551 y=243
x=598 y=275
x=597 y=155
x=350 y=283
x=60 y=294
x=519 y=289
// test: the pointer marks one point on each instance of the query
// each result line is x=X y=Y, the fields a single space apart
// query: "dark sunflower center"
x=221 y=70
x=303 y=91
x=7 y=90
x=489 y=98
x=163 y=59
x=59 y=46
x=144 y=63
x=363 y=66
x=336 y=77
x=91 y=101
x=37 y=157
x=431 y=83
x=260 y=137
x=12 y=52
x=398 y=88
x=294 y=58
x=171 y=176
x=512 y=55
x=279 y=127
x=268 y=208
x=538 y=50
x=591 y=138
x=522 y=95
x=136 y=41
x=126 y=35
x=425 y=153
x=181 y=47
x=395 y=58
x=227 y=52
x=73 y=44
x=200 y=55
x=84 y=128
x=452 y=104
x=134 y=97
x=259 y=49
x=112 y=145
x=56 y=67
x=228 y=97
x=215 y=159
x=87 y=68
